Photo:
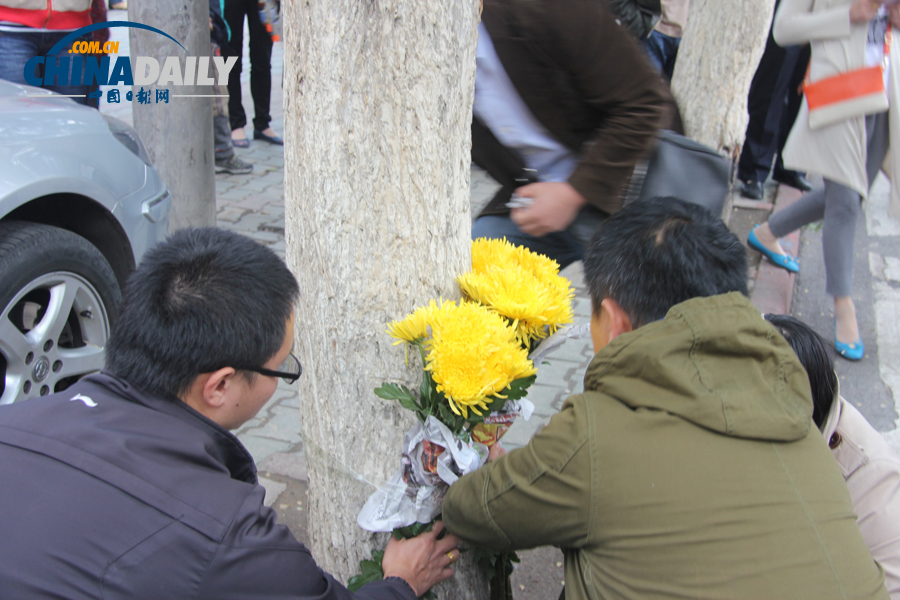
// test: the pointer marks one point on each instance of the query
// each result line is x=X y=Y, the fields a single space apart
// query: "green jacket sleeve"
x=538 y=495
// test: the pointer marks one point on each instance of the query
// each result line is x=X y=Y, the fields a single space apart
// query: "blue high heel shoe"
x=788 y=263
x=852 y=351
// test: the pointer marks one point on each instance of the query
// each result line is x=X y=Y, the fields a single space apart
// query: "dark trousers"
x=773 y=104
x=221 y=124
x=260 y=63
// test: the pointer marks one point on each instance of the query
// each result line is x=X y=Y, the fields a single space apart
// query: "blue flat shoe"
x=852 y=351
x=788 y=263
x=244 y=143
x=272 y=139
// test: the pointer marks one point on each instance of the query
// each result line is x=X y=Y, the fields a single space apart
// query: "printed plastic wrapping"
x=432 y=460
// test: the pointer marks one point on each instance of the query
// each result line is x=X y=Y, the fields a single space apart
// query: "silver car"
x=80 y=203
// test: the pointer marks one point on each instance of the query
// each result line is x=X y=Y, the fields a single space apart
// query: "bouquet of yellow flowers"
x=475 y=375
x=473 y=366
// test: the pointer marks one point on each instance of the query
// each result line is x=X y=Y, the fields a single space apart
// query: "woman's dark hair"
x=652 y=255
x=202 y=300
x=812 y=351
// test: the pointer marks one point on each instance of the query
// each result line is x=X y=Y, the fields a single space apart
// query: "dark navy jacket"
x=107 y=492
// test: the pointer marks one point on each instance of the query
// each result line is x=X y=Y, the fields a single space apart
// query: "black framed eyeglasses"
x=290 y=370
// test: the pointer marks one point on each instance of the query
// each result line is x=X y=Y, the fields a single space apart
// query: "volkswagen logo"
x=41 y=369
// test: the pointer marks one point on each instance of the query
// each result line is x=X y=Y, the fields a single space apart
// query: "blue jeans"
x=565 y=247
x=662 y=50
x=17 y=48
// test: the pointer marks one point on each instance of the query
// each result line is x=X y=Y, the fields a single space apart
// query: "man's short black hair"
x=202 y=300
x=652 y=255
x=812 y=351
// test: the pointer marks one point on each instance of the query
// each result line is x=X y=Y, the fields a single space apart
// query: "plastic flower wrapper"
x=472 y=364
x=432 y=459
x=496 y=424
x=523 y=286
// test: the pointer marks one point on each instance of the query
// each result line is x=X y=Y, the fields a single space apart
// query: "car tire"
x=58 y=300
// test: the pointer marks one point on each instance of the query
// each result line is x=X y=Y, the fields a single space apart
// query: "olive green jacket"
x=689 y=468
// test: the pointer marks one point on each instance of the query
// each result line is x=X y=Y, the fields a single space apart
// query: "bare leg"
x=768 y=239
x=846 y=329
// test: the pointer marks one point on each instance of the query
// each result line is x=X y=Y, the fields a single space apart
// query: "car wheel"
x=58 y=297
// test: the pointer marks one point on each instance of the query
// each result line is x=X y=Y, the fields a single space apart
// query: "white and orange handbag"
x=852 y=94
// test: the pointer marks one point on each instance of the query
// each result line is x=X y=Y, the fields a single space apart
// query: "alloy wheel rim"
x=52 y=332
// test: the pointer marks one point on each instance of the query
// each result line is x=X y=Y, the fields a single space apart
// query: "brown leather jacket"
x=585 y=79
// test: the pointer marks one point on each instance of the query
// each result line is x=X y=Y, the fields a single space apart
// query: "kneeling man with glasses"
x=129 y=484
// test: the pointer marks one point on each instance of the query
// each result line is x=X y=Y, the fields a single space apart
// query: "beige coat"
x=837 y=152
x=871 y=469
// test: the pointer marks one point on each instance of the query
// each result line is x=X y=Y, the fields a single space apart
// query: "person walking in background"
x=870 y=466
x=638 y=16
x=845 y=36
x=773 y=103
x=260 y=72
x=226 y=160
x=662 y=43
x=565 y=106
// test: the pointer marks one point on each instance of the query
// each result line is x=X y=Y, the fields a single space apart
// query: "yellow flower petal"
x=413 y=327
x=473 y=355
x=521 y=285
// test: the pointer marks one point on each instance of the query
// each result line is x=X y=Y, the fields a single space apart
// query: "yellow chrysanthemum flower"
x=473 y=355
x=414 y=327
x=521 y=285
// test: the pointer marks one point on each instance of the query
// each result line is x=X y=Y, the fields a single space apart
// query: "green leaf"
x=392 y=391
x=426 y=392
x=474 y=419
x=411 y=531
x=519 y=388
x=491 y=561
x=409 y=404
x=370 y=570
x=400 y=393
x=487 y=560
x=445 y=415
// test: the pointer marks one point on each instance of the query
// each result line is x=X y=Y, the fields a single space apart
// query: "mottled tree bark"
x=378 y=103
x=178 y=134
x=719 y=52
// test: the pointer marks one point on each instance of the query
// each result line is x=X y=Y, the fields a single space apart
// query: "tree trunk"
x=717 y=58
x=178 y=134
x=378 y=105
